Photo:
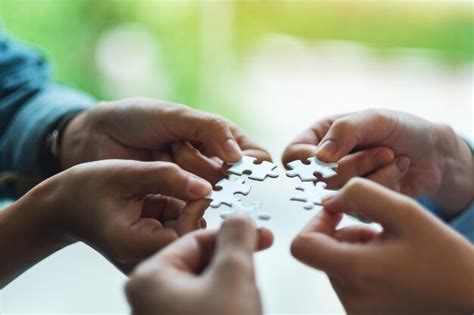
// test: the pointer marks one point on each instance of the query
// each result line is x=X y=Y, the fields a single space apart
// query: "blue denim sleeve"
x=30 y=104
x=463 y=222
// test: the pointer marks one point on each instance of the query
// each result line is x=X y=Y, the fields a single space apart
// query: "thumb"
x=163 y=178
x=346 y=133
x=374 y=202
x=236 y=243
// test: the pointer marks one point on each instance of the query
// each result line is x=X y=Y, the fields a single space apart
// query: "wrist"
x=455 y=163
x=45 y=211
x=71 y=141
x=50 y=155
x=27 y=235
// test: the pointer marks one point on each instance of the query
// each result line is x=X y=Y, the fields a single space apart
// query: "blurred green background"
x=272 y=66
x=68 y=32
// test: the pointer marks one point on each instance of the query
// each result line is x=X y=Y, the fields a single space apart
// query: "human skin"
x=126 y=210
x=430 y=159
x=146 y=129
x=416 y=265
x=205 y=272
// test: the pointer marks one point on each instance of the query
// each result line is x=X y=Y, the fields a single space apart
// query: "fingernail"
x=232 y=150
x=327 y=150
x=402 y=164
x=384 y=156
x=198 y=187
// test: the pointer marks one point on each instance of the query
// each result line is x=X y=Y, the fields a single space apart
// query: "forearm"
x=456 y=163
x=25 y=237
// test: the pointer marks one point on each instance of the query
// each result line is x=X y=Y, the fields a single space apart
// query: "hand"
x=416 y=265
x=430 y=160
x=150 y=130
x=126 y=210
x=205 y=272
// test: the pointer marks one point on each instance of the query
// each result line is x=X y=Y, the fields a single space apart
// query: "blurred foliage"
x=67 y=31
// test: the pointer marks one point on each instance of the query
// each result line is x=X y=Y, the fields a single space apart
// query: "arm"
x=396 y=271
x=126 y=210
x=30 y=105
x=24 y=237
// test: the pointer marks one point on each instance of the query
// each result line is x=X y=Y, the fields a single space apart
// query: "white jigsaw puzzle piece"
x=311 y=194
x=253 y=210
x=306 y=171
x=226 y=195
x=257 y=171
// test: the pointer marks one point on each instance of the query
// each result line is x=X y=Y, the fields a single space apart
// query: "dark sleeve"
x=30 y=104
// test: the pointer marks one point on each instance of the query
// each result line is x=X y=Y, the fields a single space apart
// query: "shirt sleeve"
x=30 y=104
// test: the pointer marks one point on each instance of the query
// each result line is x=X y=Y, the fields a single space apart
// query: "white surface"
x=284 y=86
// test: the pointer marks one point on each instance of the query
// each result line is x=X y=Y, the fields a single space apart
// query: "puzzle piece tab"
x=226 y=195
x=253 y=210
x=257 y=171
x=311 y=194
x=306 y=171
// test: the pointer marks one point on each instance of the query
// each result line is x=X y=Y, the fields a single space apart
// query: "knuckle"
x=407 y=204
x=169 y=169
x=346 y=124
x=236 y=261
x=180 y=108
x=217 y=124
x=354 y=186
x=135 y=100
x=377 y=116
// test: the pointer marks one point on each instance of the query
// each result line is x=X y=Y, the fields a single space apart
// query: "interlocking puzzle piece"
x=253 y=210
x=256 y=171
x=311 y=194
x=306 y=171
x=226 y=195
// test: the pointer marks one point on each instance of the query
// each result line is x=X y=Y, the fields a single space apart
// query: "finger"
x=140 y=240
x=161 y=207
x=237 y=234
x=236 y=243
x=174 y=266
x=163 y=178
x=305 y=144
x=265 y=239
x=374 y=202
x=161 y=156
x=355 y=234
x=391 y=175
x=189 y=254
x=298 y=151
x=193 y=161
x=249 y=147
x=325 y=223
x=170 y=224
x=316 y=247
x=360 y=164
x=184 y=124
x=190 y=218
x=172 y=209
x=346 y=133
